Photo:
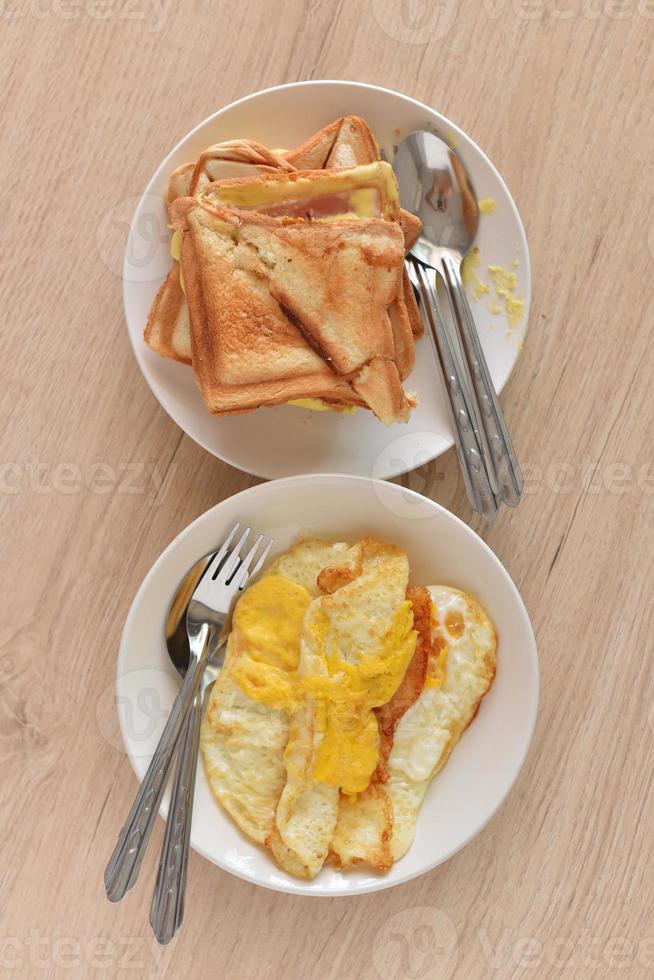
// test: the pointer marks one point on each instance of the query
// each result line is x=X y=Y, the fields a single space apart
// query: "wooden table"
x=96 y=479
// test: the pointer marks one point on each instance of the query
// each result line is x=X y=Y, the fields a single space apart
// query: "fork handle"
x=471 y=458
x=124 y=864
x=167 y=909
x=502 y=454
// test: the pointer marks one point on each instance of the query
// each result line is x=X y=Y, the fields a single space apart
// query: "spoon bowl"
x=175 y=626
x=435 y=186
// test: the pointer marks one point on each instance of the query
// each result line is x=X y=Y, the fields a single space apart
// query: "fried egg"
x=356 y=646
x=342 y=694
x=454 y=688
x=459 y=671
x=244 y=733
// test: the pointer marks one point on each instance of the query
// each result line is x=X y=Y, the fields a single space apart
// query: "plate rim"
x=445 y=122
x=531 y=653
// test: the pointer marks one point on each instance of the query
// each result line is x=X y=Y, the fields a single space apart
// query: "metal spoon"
x=167 y=909
x=435 y=186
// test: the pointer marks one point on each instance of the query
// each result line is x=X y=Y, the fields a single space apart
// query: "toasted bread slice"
x=354 y=145
x=168 y=331
x=282 y=308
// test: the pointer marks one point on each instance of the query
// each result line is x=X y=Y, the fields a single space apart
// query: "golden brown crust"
x=389 y=715
x=417 y=326
x=312 y=154
x=353 y=145
x=334 y=577
x=322 y=273
x=235 y=159
x=401 y=326
x=411 y=226
x=224 y=161
x=343 y=311
x=179 y=184
x=378 y=383
x=168 y=330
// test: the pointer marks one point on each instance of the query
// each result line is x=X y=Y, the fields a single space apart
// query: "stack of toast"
x=288 y=284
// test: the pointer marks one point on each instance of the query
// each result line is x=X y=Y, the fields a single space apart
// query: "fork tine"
x=213 y=564
x=247 y=561
x=233 y=560
x=244 y=573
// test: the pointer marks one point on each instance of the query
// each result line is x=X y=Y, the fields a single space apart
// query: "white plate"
x=441 y=549
x=284 y=441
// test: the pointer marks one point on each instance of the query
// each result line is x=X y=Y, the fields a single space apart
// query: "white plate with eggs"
x=287 y=440
x=442 y=551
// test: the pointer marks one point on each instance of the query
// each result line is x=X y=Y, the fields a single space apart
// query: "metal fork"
x=468 y=442
x=167 y=909
x=208 y=626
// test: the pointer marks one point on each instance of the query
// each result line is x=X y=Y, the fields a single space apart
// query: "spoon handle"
x=471 y=458
x=167 y=909
x=502 y=454
x=125 y=862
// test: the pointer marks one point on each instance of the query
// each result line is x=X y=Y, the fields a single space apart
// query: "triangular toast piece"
x=283 y=308
x=313 y=154
x=354 y=144
x=167 y=330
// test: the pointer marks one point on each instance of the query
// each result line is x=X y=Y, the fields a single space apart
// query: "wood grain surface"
x=96 y=479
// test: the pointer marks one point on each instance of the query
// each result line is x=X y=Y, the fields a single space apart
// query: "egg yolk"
x=318 y=405
x=454 y=623
x=487 y=205
x=505 y=287
x=436 y=666
x=268 y=627
x=348 y=752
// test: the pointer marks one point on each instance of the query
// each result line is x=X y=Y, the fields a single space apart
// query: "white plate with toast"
x=285 y=440
x=441 y=550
